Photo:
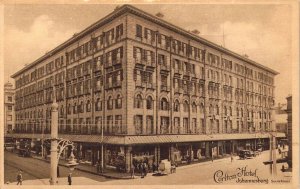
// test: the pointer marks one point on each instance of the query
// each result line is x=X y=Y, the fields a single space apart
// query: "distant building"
x=9 y=123
x=290 y=129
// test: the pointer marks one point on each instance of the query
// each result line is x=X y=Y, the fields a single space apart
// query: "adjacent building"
x=9 y=117
x=290 y=130
x=281 y=118
x=156 y=91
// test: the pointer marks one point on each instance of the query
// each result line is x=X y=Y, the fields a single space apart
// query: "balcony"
x=164 y=88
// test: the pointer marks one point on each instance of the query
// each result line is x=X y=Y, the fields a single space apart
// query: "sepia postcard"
x=154 y=94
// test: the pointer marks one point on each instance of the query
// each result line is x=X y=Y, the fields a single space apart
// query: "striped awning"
x=151 y=139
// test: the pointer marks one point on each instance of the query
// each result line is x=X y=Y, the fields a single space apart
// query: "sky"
x=263 y=32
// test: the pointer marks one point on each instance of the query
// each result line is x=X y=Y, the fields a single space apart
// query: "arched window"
x=225 y=110
x=138 y=101
x=237 y=112
x=164 y=104
x=88 y=106
x=98 y=105
x=230 y=111
x=185 y=106
x=110 y=103
x=194 y=107
x=176 y=106
x=149 y=103
x=118 y=102
x=242 y=112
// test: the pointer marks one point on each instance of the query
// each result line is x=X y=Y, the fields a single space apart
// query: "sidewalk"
x=92 y=169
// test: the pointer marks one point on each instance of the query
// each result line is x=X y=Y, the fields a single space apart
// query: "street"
x=37 y=169
x=201 y=173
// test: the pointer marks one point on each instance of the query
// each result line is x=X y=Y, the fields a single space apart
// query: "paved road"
x=202 y=173
x=37 y=169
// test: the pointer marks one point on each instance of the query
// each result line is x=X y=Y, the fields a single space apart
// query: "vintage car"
x=246 y=154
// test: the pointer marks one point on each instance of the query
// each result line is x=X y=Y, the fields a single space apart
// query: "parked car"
x=246 y=154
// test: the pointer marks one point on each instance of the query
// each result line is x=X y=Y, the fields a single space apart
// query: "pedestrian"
x=141 y=169
x=19 y=178
x=57 y=171
x=154 y=167
x=132 y=171
x=145 y=169
x=231 y=157
x=70 y=179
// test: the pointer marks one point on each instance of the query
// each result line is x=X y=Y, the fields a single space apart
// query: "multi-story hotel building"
x=157 y=91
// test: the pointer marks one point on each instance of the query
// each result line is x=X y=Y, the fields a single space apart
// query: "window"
x=9 y=118
x=149 y=125
x=138 y=123
x=118 y=102
x=164 y=125
x=176 y=106
x=98 y=105
x=118 y=124
x=139 y=31
x=217 y=109
x=75 y=108
x=211 y=110
x=110 y=103
x=201 y=108
x=9 y=98
x=9 y=108
x=88 y=106
x=119 y=31
x=138 y=101
x=194 y=108
x=185 y=125
x=177 y=124
x=149 y=103
x=81 y=107
x=164 y=104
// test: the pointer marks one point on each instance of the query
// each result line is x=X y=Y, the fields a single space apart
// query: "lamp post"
x=54 y=145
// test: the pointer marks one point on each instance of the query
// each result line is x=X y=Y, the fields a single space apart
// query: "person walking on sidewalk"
x=70 y=179
x=19 y=178
x=231 y=157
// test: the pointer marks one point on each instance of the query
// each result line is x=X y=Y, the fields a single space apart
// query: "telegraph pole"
x=54 y=136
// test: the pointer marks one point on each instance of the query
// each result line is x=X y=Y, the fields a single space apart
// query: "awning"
x=152 y=139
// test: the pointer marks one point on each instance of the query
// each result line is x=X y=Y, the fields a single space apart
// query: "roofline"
x=138 y=12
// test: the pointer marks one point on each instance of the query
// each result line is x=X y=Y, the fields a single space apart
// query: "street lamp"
x=55 y=143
